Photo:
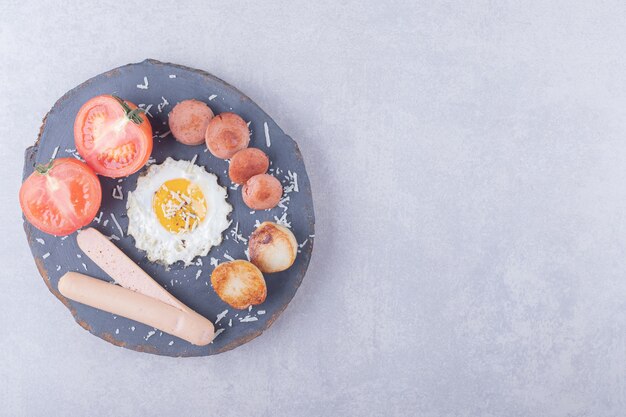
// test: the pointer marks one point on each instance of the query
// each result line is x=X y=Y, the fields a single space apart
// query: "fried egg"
x=177 y=212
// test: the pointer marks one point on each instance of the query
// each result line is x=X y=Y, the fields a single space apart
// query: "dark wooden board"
x=172 y=83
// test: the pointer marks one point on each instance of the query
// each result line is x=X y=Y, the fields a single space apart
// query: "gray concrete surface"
x=468 y=162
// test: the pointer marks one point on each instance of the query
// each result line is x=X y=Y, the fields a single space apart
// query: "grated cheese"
x=40 y=240
x=146 y=109
x=238 y=237
x=172 y=76
x=162 y=105
x=220 y=316
x=283 y=220
x=282 y=204
x=212 y=97
x=117 y=193
x=266 y=128
x=143 y=86
x=292 y=178
x=198 y=273
x=45 y=255
x=54 y=153
x=117 y=224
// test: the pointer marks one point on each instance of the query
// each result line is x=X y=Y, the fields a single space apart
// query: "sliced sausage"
x=262 y=192
x=246 y=164
x=188 y=121
x=227 y=134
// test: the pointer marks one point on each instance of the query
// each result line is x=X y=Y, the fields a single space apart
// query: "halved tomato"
x=61 y=197
x=113 y=136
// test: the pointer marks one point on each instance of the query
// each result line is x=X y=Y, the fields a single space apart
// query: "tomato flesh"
x=61 y=198
x=109 y=141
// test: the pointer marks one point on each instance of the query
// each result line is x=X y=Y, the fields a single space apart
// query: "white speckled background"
x=468 y=162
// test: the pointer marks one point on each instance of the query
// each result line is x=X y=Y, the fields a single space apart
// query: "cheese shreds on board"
x=143 y=86
x=45 y=255
x=54 y=153
x=268 y=140
x=282 y=204
x=117 y=193
x=238 y=237
x=162 y=135
x=230 y=323
x=40 y=240
x=292 y=178
x=260 y=312
x=227 y=256
x=212 y=97
x=217 y=333
x=162 y=105
x=214 y=262
x=171 y=343
x=97 y=219
x=283 y=221
x=221 y=316
x=114 y=237
x=248 y=318
x=172 y=76
x=198 y=273
x=117 y=224
x=146 y=108
x=150 y=334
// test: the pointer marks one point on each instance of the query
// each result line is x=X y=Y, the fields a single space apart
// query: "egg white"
x=150 y=236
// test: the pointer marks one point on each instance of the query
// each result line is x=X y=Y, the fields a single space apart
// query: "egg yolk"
x=179 y=205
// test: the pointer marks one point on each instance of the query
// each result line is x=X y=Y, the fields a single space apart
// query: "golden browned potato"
x=226 y=134
x=272 y=247
x=247 y=163
x=239 y=284
x=262 y=192
x=188 y=121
